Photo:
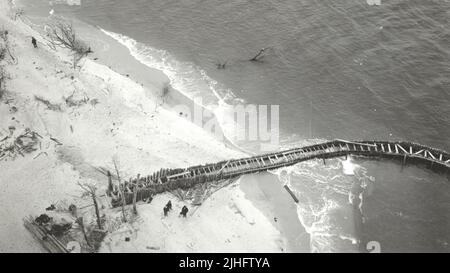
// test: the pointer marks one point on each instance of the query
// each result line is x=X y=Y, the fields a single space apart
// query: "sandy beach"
x=118 y=120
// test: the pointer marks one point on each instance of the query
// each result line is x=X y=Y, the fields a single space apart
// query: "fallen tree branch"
x=22 y=144
x=260 y=55
x=55 y=140
x=50 y=106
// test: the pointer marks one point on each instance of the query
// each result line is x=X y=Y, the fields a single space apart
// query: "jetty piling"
x=170 y=179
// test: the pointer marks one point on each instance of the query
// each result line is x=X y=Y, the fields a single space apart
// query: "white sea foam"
x=348 y=168
x=317 y=224
x=373 y=2
x=188 y=79
x=68 y=2
x=317 y=206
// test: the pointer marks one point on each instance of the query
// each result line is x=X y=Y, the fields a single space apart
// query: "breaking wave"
x=187 y=78
x=190 y=80
x=326 y=209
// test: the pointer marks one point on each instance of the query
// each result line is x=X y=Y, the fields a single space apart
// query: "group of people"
x=168 y=207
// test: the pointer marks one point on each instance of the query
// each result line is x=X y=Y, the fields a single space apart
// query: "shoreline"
x=153 y=80
x=123 y=125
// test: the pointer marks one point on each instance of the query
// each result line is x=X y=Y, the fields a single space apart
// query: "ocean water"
x=337 y=69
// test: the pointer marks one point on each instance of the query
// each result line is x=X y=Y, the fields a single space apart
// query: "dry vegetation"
x=91 y=191
x=26 y=142
x=163 y=95
x=6 y=57
x=50 y=106
x=15 y=12
x=4 y=54
x=62 y=34
x=3 y=78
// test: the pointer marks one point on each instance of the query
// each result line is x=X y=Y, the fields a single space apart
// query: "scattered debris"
x=41 y=153
x=59 y=230
x=42 y=219
x=50 y=106
x=72 y=102
x=94 y=102
x=147 y=200
x=12 y=145
x=5 y=48
x=55 y=140
x=3 y=77
x=91 y=191
x=153 y=247
x=16 y=13
x=74 y=247
x=221 y=65
x=97 y=236
x=258 y=57
x=42 y=234
x=51 y=207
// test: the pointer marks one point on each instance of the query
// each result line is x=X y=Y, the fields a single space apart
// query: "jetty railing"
x=171 y=179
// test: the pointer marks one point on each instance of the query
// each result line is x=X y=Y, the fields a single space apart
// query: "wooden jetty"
x=171 y=179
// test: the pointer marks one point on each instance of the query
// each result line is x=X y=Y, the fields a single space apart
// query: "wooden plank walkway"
x=170 y=179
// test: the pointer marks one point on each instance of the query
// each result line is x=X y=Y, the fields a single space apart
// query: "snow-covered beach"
x=118 y=121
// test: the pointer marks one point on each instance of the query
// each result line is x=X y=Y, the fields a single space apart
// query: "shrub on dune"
x=62 y=34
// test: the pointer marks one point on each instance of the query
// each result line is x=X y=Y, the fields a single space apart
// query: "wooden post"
x=122 y=189
x=135 y=190
x=110 y=185
x=97 y=212
x=80 y=223
x=90 y=190
x=291 y=193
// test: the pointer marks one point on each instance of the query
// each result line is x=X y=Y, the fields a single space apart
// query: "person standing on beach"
x=165 y=210
x=34 y=42
x=184 y=211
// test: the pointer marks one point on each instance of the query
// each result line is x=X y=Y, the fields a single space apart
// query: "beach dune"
x=116 y=119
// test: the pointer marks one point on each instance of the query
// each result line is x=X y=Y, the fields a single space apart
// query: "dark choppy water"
x=369 y=71
x=338 y=69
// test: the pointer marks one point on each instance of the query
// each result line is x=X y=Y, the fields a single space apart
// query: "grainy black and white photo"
x=213 y=126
